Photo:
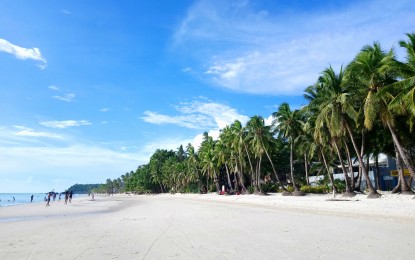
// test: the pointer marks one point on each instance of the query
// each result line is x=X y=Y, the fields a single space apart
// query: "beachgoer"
x=92 y=196
x=31 y=198
x=60 y=196
x=54 y=196
x=70 y=196
x=48 y=201
x=14 y=199
x=66 y=197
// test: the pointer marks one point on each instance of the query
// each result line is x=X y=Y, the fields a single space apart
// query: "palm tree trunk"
x=328 y=172
x=275 y=172
x=349 y=192
x=216 y=180
x=306 y=169
x=402 y=185
x=258 y=175
x=372 y=191
x=229 y=178
x=401 y=151
x=377 y=172
x=292 y=166
x=241 y=179
x=250 y=164
x=351 y=172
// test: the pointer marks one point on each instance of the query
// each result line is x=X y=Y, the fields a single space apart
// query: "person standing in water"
x=31 y=198
x=70 y=196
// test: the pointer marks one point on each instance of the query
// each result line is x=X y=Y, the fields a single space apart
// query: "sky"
x=90 y=89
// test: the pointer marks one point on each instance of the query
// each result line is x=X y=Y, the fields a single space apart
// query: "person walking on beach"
x=31 y=198
x=70 y=196
x=48 y=201
x=66 y=197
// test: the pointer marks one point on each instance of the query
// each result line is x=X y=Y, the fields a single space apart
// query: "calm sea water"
x=24 y=198
x=19 y=198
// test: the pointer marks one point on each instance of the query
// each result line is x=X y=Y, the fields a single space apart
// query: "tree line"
x=364 y=109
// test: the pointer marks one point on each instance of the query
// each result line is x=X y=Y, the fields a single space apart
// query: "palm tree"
x=208 y=161
x=222 y=156
x=260 y=139
x=288 y=124
x=239 y=144
x=375 y=69
x=192 y=164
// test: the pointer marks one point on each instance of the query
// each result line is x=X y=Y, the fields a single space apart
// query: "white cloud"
x=22 y=53
x=69 y=97
x=199 y=114
x=25 y=131
x=104 y=109
x=65 y=123
x=55 y=88
x=244 y=48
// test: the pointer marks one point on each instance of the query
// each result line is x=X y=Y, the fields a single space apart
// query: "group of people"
x=68 y=197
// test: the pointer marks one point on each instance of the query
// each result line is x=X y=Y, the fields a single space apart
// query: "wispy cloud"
x=65 y=123
x=198 y=114
x=241 y=46
x=65 y=11
x=25 y=131
x=68 y=97
x=104 y=109
x=22 y=53
x=55 y=88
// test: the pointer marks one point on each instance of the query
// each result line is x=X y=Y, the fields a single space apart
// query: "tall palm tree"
x=208 y=161
x=375 y=69
x=288 y=124
x=261 y=138
x=239 y=144
x=337 y=111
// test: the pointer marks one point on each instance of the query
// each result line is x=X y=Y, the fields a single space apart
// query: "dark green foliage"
x=269 y=187
x=83 y=188
x=315 y=189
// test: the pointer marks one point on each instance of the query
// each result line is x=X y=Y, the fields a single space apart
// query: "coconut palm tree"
x=208 y=161
x=374 y=69
x=239 y=144
x=260 y=140
x=288 y=124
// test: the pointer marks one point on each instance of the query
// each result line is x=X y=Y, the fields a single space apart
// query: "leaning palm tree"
x=261 y=138
x=374 y=70
x=288 y=124
x=338 y=110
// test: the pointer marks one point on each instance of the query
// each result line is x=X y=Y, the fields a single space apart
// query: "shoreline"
x=210 y=226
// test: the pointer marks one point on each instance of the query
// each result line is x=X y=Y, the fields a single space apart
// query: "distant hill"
x=83 y=188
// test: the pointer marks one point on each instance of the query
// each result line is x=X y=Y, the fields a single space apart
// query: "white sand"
x=191 y=226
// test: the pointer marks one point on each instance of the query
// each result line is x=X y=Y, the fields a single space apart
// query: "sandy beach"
x=193 y=226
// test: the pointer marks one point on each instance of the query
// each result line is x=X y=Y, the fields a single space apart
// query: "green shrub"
x=315 y=189
x=269 y=187
x=251 y=189
x=290 y=188
x=340 y=185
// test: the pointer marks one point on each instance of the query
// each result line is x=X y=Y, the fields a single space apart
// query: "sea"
x=6 y=199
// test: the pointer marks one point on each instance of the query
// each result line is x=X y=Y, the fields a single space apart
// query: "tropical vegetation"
x=359 y=111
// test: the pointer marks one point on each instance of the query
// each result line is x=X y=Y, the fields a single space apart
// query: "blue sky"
x=90 y=89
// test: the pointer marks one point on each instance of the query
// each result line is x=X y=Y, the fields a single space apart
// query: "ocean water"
x=24 y=198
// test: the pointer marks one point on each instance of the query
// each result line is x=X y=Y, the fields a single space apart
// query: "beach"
x=210 y=226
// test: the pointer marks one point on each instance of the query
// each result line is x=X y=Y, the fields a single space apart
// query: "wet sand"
x=211 y=227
